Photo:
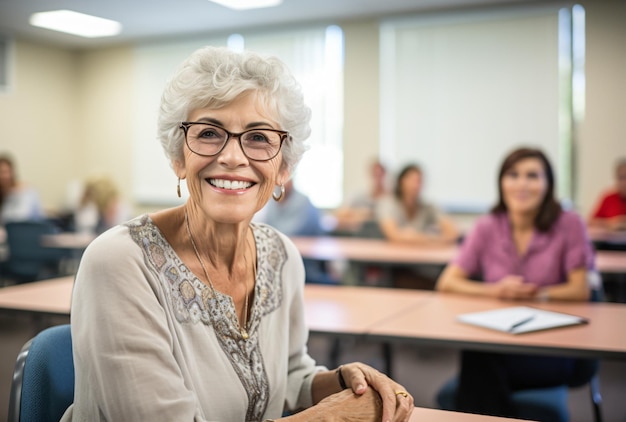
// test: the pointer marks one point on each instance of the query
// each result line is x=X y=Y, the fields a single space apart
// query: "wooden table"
x=607 y=238
x=416 y=316
x=611 y=262
x=352 y=310
x=385 y=252
x=40 y=297
x=67 y=240
x=372 y=262
x=75 y=243
x=434 y=322
x=371 y=250
x=422 y=414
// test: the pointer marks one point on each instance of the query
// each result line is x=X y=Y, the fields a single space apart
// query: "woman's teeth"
x=230 y=184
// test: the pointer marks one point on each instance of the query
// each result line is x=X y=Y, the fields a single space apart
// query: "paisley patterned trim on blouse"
x=192 y=301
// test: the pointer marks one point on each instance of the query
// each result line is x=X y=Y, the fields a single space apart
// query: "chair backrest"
x=43 y=380
x=27 y=256
x=370 y=229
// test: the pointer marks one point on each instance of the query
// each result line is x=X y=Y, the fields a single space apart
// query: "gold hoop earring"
x=277 y=198
x=178 y=188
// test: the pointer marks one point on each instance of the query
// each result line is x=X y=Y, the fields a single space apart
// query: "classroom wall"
x=361 y=97
x=106 y=108
x=77 y=108
x=603 y=130
x=38 y=117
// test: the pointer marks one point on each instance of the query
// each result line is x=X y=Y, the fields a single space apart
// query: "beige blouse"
x=152 y=344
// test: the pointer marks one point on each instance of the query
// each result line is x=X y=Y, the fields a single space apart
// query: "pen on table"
x=520 y=323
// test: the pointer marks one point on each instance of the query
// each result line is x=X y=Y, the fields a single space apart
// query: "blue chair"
x=28 y=260
x=43 y=379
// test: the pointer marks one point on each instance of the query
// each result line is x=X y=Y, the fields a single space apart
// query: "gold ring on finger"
x=402 y=393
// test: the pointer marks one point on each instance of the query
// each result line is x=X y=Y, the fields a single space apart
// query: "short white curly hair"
x=215 y=76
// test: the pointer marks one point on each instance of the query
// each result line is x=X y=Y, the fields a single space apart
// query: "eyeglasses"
x=209 y=140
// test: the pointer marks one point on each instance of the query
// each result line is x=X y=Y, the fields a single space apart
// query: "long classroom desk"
x=422 y=414
x=329 y=309
x=431 y=320
x=49 y=297
x=434 y=322
x=608 y=239
x=347 y=311
x=67 y=240
x=416 y=316
x=327 y=248
x=611 y=262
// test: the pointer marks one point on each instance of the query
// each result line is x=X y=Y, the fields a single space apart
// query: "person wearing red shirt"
x=610 y=211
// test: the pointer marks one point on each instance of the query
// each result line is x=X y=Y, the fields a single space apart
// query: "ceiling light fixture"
x=76 y=23
x=247 y=4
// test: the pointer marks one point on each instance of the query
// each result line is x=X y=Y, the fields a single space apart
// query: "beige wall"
x=70 y=115
x=603 y=131
x=37 y=117
x=361 y=97
x=106 y=111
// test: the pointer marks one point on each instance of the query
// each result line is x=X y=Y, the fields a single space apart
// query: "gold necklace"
x=242 y=329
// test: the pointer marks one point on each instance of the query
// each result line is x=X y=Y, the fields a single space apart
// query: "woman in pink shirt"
x=527 y=248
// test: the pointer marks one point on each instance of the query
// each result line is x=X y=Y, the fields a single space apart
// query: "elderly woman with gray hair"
x=195 y=313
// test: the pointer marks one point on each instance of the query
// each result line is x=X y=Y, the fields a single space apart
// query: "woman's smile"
x=230 y=185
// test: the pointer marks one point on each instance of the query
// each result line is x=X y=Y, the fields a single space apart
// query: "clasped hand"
x=513 y=287
x=370 y=396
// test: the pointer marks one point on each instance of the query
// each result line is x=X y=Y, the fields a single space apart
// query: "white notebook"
x=520 y=319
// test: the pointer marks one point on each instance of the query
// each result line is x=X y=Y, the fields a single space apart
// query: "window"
x=459 y=91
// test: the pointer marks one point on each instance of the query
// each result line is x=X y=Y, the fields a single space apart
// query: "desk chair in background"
x=27 y=259
x=43 y=380
x=370 y=229
x=540 y=404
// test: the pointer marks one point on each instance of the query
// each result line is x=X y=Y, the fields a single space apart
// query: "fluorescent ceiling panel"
x=76 y=23
x=247 y=4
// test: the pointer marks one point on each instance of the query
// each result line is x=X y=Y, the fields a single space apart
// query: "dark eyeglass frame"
x=284 y=135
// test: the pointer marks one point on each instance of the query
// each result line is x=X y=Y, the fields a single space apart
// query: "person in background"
x=610 y=211
x=360 y=209
x=196 y=313
x=18 y=202
x=293 y=215
x=100 y=207
x=527 y=248
x=404 y=217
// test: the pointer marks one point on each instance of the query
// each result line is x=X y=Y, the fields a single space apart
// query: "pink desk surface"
x=604 y=235
x=611 y=261
x=348 y=310
x=402 y=315
x=382 y=251
x=434 y=322
x=47 y=296
x=371 y=250
x=67 y=240
x=353 y=310
x=422 y=414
